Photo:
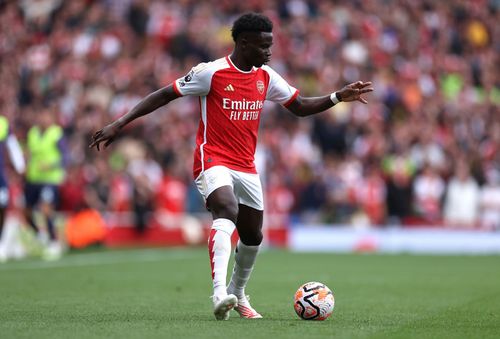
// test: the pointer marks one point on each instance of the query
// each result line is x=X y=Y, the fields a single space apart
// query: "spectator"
x=171 y=195
x=429 y=189
x=45 y=172
x=146 y=176
x=490 y=201
x=8 y=145
x=399 y=187
x=371 y=195
x=461 y=205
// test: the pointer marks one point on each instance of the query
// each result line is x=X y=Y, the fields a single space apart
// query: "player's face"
x=45 y=118
x=259 y=48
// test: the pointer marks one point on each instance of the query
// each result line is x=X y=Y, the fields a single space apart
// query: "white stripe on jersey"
x=203 y=106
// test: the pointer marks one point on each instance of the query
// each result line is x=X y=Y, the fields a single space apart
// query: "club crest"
x=260 y=86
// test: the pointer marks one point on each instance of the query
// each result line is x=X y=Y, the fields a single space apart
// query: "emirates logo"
x=260 y=86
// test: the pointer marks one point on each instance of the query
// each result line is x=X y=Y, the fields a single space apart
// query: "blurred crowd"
x=425 y=150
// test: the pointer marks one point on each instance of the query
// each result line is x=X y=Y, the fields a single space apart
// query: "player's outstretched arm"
x=304 y=106
x=147 y=105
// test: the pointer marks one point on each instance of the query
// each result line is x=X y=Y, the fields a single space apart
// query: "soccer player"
x=9 y=143
x=232 y=91
x=46 y=171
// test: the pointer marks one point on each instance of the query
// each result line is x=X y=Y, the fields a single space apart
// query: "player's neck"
x=238 y=61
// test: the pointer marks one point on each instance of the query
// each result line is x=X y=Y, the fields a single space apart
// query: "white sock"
x=219 y=250
x=244 y=261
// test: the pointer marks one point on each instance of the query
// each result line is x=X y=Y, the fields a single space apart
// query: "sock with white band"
x=244 y=261
x=219 y=250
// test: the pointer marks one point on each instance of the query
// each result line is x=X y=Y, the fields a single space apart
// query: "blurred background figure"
x=371 y=195
x=46 y=169
x=461 y=204
x=489 y=201
x=146 y=175
x=399 y=170
x=429 y=188
x=8 y=146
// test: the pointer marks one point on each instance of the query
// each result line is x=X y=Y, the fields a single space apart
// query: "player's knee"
x=253 y=239
x=225 y=208
x=257 y=240
x=230 y=210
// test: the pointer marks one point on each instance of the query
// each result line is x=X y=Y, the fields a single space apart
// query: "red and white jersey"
x=231 y=102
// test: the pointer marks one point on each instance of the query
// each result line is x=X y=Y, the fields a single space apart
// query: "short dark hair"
x=251 y=22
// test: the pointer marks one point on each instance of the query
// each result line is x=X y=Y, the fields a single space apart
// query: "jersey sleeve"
x=279 y=90
x=196 y=82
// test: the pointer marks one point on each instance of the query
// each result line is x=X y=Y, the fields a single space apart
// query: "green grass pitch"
x=164 y=293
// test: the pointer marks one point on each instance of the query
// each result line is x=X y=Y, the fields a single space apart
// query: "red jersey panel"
x=231 y=103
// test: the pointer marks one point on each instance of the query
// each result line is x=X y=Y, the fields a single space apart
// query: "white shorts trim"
x=246 y=186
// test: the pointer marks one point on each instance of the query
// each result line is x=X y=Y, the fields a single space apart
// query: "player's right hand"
x=106 y=135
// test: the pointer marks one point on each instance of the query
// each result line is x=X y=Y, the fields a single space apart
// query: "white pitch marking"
x=101 y=258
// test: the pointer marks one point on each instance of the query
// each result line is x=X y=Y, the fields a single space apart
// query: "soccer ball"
x=314 y=301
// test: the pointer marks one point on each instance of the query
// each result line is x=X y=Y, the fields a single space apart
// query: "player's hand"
x=106 y=135
x=352 y=92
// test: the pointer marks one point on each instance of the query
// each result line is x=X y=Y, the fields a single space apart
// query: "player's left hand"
x=352 y=92
x=106 y=135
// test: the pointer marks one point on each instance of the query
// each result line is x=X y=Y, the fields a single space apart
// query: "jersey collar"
x=230 y=62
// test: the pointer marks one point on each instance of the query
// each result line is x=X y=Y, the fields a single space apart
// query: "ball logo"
x=314 y=301
x=260 y=86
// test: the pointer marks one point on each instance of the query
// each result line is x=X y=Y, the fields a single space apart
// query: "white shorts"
x=246 y=186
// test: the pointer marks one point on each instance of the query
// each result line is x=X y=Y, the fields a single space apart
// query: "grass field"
x=165 y=294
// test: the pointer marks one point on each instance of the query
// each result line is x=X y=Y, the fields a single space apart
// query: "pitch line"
x=101 y=258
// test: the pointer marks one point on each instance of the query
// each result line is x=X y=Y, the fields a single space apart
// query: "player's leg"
x=48 y=205
x=216 y=186
x=48 y=198
x=2 y=221
x=4 y=200
x=31 y=196
x=224 y=208
x=249 y=225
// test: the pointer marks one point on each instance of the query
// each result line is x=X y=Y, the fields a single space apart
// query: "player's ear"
x=243 y=40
